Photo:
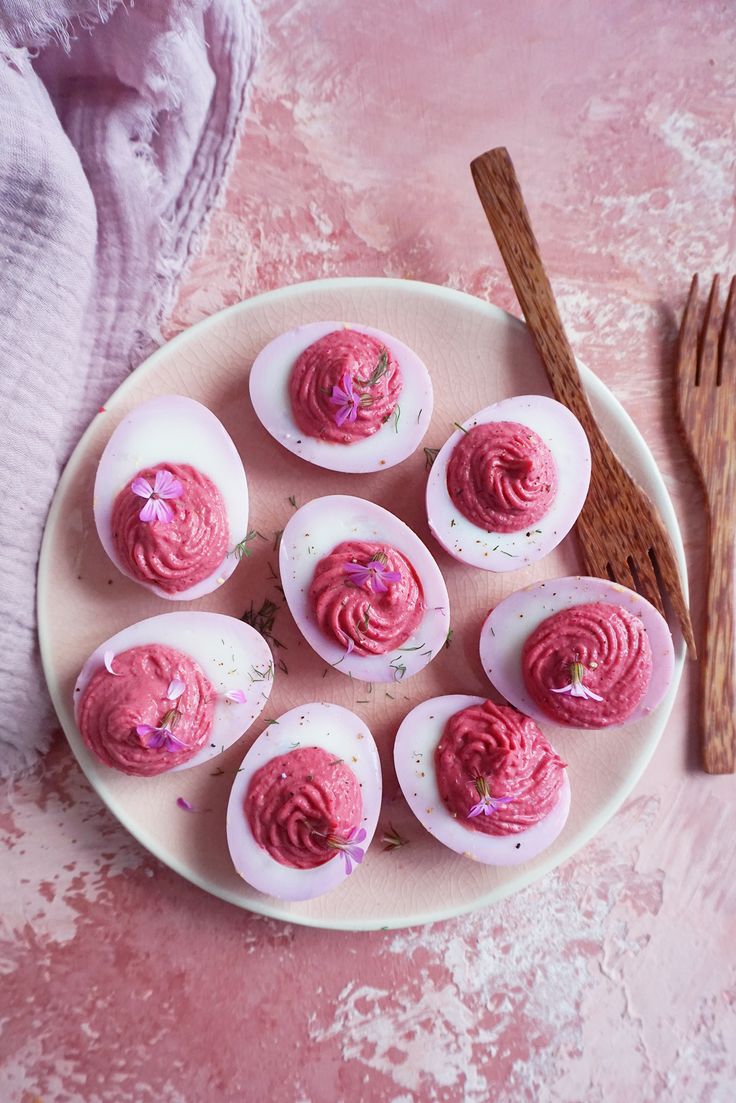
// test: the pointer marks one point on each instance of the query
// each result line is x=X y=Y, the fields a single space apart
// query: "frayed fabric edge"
x=31 y=34
x=173 y=259
x=17 y=760
x=149 y=335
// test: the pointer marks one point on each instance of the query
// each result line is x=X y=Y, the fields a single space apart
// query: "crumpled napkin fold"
x=118 y=126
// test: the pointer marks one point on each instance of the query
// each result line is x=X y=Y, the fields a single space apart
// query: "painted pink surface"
x=613 y=979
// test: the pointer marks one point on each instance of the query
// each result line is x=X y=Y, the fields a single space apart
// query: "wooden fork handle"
x=500 y=194
x=718 y=686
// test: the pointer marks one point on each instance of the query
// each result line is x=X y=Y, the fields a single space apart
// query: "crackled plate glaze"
x=476 y=354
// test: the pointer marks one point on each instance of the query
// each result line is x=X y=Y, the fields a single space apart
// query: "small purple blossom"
x=165 y=487
x=162 y=736
x=175 y=690
x=373 y=575
x=346 y=400
x=348 y=847
x=236 y=695
x=109 y=659
x=487 y=804
x=575 y=686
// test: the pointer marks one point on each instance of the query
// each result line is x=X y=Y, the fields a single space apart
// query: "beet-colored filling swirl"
x=496 y=772
x=588 y=666
x=115 y=705
x=299 y=804
x=366 y=597
x=344 y=387
x=502 y=476
x=180 y=551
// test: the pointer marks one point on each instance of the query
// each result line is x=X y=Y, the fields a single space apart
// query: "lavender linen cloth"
x=118 y=124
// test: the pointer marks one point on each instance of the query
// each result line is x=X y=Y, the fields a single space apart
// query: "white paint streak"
x=530 y=990
x=411 y=1041
x=711 y=159
x=58 y=852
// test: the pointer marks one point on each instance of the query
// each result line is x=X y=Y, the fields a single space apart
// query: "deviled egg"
x=305 y=803
x=363 y=589
x=172 y=691
x=509 y=483
x=342 y=396
x=583 y=652
x=171 y=499
x=482 y=778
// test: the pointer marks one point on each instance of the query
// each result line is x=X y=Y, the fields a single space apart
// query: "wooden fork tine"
x=635 y=576
x=665 y=564
x=618 y=570
x=593 y=564
x=687 y=350
x=625 y=577
x=727 y=342
x=646 y=582
x=643 y=575
x=708 y=351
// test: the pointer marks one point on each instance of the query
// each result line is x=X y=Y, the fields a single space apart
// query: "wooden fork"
x=621 y=534
x=706 y=407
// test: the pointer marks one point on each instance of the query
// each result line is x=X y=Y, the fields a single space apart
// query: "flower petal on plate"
x=109 y=659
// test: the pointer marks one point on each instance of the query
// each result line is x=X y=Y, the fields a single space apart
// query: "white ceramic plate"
x=476 y=354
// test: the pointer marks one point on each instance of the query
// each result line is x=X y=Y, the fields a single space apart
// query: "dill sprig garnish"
x=378 y=372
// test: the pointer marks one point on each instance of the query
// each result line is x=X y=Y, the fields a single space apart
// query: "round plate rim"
x=591 y=383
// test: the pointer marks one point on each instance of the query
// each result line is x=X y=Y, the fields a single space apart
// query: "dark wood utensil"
x=706 y=407
x=621 y=535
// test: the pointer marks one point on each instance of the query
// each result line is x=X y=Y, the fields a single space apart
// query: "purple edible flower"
x=162 y=736
x=487 y=804
x=373 y=574
x=165 y=487
x=575 y=686
x=346 y=400
x=348 y=847
x=236 y=695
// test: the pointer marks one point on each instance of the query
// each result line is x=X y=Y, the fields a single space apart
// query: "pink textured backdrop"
x=614 y=979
